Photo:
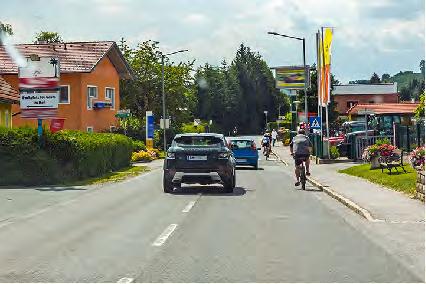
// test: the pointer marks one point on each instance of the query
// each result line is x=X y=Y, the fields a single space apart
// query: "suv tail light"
x=224 y=155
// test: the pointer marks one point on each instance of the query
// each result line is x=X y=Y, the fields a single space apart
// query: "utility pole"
x=305 y=87
x=164 y=103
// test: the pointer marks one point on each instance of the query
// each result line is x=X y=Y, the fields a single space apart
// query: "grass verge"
x=399 y=181
x=113 y=176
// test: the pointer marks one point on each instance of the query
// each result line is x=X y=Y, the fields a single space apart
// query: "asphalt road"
x=266 y=231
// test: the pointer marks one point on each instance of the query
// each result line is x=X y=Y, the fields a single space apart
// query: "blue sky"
x=383 y=36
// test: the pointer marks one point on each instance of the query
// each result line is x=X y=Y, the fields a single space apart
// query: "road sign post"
x=150 y=130
x=39 y=89
x=315 y=122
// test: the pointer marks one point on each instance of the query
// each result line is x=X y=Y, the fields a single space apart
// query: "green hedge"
x=138 y=145
x=64 y=156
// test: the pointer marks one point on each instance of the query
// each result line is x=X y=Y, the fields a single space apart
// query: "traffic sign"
x=315 y=122
x=167 y=120
x=39 y=87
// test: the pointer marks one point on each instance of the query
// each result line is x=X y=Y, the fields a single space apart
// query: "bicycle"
x=302 y=171
x=266 y=152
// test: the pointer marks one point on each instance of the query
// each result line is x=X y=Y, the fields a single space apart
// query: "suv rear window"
x=198 y=141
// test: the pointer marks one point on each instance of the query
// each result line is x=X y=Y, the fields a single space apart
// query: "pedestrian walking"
x=274 y=137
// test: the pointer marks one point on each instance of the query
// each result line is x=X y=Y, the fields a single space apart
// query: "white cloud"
x=195 y=18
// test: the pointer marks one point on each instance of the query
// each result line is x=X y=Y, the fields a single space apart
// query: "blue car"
x=245 y=151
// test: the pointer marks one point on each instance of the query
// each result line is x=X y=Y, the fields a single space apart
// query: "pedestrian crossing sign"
x=315 y=122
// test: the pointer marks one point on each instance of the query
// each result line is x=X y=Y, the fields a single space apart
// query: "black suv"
x=199 y=158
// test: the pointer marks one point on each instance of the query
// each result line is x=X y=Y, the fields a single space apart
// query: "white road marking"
x=165 y=235
x=125 y=280
x=36 y=213
x=188 y=207
x=5 y=224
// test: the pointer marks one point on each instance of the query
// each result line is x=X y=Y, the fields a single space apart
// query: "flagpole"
x=319 y=88
x=325 y=91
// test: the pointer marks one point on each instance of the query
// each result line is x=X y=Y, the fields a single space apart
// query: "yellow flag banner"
x=328 y=35
x=325 y=60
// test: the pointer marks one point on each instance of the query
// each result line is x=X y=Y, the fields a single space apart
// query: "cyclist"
x=266 y=143
x=300 y=150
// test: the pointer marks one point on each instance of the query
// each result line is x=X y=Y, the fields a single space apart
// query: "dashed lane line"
x=164 y=236
x=188 y=207
x=125 y=280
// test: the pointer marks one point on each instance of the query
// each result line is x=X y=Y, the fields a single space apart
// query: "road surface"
x=266 y=231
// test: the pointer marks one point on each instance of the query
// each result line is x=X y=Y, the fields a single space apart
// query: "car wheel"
x=230 y=184
x=167 y=185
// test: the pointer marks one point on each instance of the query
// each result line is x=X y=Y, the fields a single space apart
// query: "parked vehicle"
x=345 y=147
x=245 y=151
x=202 y=158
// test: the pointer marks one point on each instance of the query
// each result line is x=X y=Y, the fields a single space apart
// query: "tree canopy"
x=48 y=37
x=144 y=92
x=237 y=94
x=375 y=78
x=6 y=28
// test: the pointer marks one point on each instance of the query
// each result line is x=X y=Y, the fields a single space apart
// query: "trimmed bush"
x=91 y=154
x=23 y=161
x=138 y=145
x=334 y=152
x=63 y=156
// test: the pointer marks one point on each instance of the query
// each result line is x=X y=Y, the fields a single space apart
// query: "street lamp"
x=266 y=119
x=304 y=67
x=296 y=105
x=163 y=95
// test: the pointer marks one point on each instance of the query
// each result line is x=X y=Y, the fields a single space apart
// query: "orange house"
x=89 y=82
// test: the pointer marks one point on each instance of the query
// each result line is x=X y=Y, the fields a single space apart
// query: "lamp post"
x=296 y=103
x=304 y=67
x=163 y=94
x=266 y=119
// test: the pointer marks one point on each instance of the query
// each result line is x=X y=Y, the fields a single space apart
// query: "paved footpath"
x=382 y=203
x=399 y=219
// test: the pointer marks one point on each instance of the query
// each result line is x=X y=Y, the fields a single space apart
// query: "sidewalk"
x=382 y=203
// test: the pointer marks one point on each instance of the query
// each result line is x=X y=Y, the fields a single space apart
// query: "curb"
x=345 y=201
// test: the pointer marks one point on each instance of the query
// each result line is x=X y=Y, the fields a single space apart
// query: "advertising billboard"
x=291 y=77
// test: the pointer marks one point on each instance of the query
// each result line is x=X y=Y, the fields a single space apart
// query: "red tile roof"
x=73 y=56
x=7 y=93
x=385 y=108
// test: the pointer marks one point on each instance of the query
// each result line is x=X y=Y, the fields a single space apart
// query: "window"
x=371 y=102
x=110 y=96
x=90 y=129
x=64 y=94
x=198 y=141
x=350 y=104
x=92 y=92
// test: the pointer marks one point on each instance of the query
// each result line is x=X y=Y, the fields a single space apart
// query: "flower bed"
x=145 y=155
x=417 y=157
x=381 y=148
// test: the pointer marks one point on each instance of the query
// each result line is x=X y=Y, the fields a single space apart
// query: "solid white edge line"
x=125 y=280
x=188 y=207
x=164 y=235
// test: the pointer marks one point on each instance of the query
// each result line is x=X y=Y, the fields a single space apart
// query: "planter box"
x=374 y=163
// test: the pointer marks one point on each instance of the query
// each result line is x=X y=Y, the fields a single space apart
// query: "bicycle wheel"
x=303 y=177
